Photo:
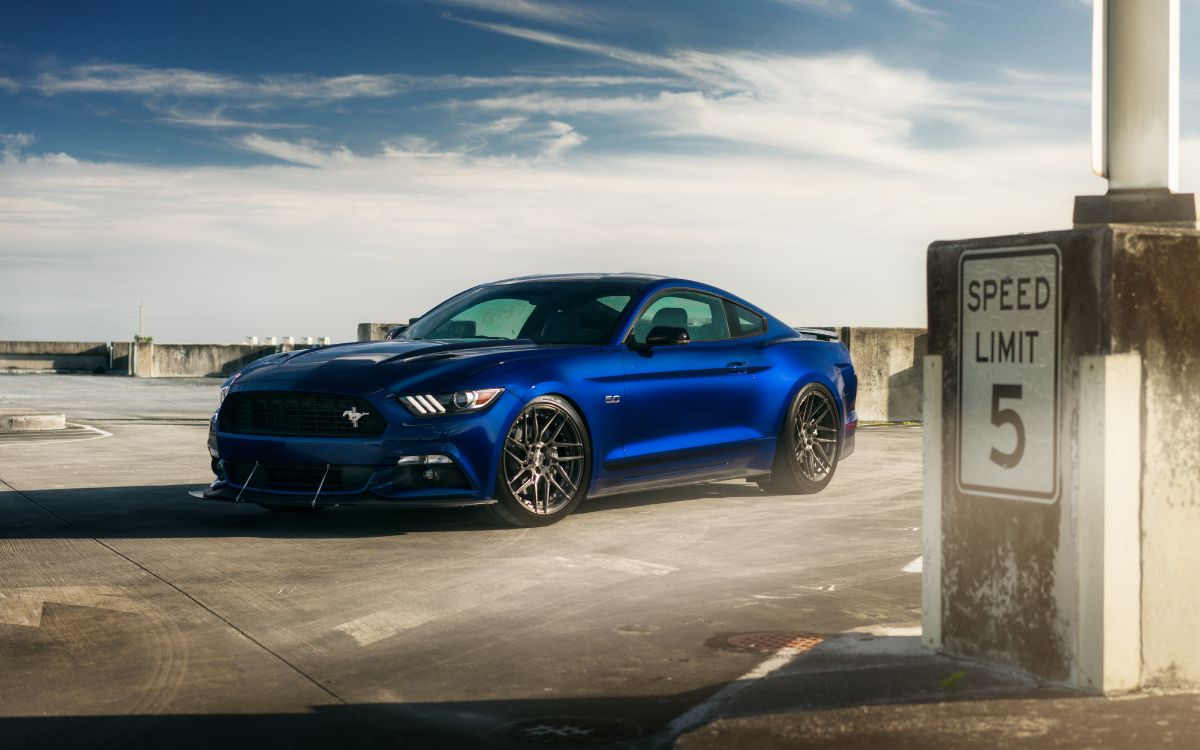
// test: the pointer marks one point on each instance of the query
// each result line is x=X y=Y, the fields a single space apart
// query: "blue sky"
x=269 y=168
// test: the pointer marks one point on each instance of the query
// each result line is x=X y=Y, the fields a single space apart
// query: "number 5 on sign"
x=1008 y=351
x=1007 y=416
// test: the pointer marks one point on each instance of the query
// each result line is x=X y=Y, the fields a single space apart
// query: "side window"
x=743 y=322
x=701 y=314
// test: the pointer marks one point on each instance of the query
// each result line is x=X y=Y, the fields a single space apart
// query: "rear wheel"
x=809 y=444
x=544 y=466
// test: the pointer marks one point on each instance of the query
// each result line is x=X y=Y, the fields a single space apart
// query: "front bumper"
x=364 y=471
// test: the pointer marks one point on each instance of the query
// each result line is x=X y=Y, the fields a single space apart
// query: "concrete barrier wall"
x=197 y=360
x=889 y=364
x=120 y=358
x=54 y=356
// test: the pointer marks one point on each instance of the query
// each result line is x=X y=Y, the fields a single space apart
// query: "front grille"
x=298 y=477
x=300 y=415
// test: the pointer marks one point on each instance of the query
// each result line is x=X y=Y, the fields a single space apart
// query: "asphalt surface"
x=131 y=614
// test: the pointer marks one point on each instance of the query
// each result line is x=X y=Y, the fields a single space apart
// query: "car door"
x=688 y=407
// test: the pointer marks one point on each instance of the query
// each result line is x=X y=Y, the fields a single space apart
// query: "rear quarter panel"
x=797 y=362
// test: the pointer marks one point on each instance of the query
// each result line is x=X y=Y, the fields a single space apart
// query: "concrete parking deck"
x=131 y=614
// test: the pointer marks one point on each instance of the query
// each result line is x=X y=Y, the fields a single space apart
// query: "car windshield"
x=546 y=312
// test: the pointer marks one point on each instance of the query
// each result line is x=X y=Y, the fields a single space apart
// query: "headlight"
x=225 y=386
x=459 y=402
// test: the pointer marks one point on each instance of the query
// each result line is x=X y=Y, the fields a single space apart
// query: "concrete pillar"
x=1066 y=546
x=1109 y=523
x=374 y=331
x=141 y=359
x=1067 y=507
x=931 y=511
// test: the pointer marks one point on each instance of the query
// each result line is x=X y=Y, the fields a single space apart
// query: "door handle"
x=738 y=366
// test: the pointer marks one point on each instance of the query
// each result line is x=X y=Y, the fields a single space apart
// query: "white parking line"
x=703 y=712
x=618 y=564
x=99 y=434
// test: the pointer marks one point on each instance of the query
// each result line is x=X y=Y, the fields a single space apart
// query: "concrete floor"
x=132 y=614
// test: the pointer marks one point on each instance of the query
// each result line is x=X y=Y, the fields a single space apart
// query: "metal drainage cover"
x=570 y=730
x=798 y=642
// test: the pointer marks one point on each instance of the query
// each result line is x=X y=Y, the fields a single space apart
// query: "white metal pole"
x=1135 y=115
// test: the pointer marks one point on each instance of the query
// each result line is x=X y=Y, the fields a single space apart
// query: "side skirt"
x=664 y=482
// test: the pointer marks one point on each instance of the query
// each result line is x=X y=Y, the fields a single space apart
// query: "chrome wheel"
x=815 y=435
x=544 y=458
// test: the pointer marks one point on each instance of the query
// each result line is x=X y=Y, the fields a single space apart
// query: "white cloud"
x=911 y=6
x=832 y=106
x=386 y=236
x=180 y=83
x=8 y=85
x=531 y=10
x=834 y=7
x=216 y=119
x=829 y=175
x=117 y=78
x=307 y=153
x=449 y=82
x=11 y=145
x=624 y=54
x=846 y=105
x=501 y=126
x=560 y=138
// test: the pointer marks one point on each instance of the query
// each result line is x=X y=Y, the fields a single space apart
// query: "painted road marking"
x=628 y=565
x=96 y=434
x=705 y=711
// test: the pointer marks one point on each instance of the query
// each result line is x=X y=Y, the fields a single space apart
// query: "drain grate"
x=570 y=730
x=799 y=642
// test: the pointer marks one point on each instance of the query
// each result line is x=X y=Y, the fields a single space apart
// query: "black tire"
x=805 y=460
x=545 y=465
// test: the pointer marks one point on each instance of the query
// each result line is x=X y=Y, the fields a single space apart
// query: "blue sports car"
x=527 y=395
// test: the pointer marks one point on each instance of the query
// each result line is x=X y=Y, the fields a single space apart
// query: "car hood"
x=366 y=367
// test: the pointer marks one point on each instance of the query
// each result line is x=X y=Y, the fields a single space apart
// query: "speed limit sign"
x=1008 y=373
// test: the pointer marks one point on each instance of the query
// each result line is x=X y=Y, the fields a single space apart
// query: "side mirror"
x=667 y=336
x=395 y=331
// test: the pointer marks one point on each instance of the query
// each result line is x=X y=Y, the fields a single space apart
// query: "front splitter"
x=230 y=495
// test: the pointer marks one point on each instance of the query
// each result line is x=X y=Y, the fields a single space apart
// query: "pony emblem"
x=353 y=414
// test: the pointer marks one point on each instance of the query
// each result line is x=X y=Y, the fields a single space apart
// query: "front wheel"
x=809 y=444
x=544 y=466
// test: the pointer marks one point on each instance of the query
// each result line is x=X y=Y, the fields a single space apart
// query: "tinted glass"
x=701 y=314
x=547 y=312
x=745 y=322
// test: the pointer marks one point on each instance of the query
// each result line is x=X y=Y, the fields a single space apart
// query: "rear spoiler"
x=818 y=334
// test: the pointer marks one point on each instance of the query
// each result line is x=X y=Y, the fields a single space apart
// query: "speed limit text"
x=1021 y=293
